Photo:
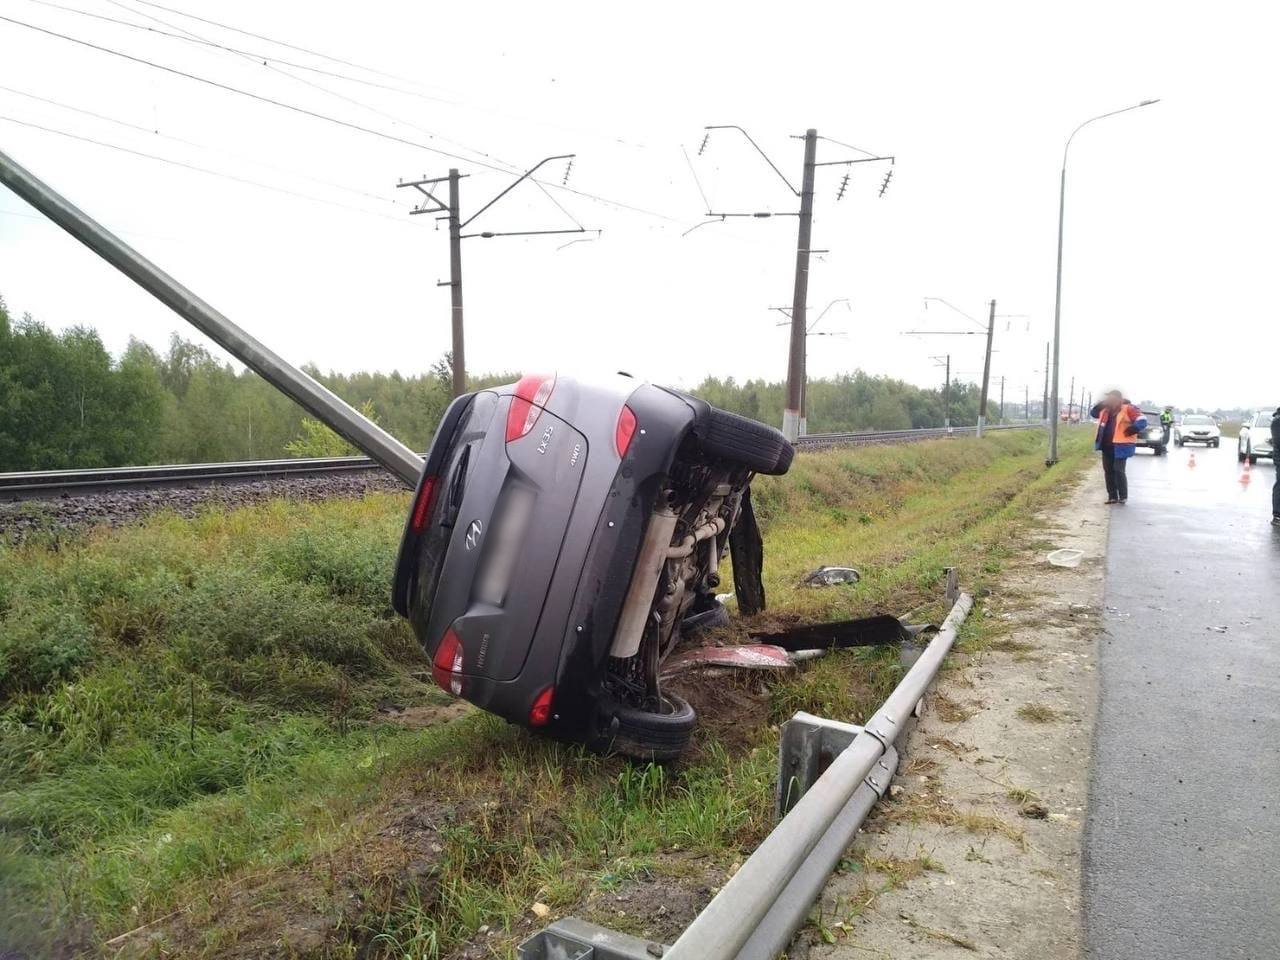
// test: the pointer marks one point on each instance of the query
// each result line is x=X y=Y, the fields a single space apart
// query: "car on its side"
x=564 y=537
x=1255 y=439
x=1196 y=428
x=1156 y=437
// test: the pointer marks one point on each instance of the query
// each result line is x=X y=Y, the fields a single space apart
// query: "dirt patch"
x=422 y=716
x=305 y=910
x=659 y=903
x=998 y=811
x=732 y=706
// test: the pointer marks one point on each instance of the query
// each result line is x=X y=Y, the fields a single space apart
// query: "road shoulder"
x=979 y=848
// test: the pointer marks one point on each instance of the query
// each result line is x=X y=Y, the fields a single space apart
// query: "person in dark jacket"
x=1275 y=445
x=1119 y=423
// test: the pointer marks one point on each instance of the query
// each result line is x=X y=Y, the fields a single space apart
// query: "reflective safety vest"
x=1127 y=416
x=1166 y=418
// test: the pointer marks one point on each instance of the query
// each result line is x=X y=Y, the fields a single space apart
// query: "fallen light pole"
x=758 y=911
x=313 y=397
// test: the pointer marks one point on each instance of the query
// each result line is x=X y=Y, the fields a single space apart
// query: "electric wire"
x=193 y=143
x=258 y=36
x=187 y=37
x=251 y=58
x=199 y=169
x=314 y=114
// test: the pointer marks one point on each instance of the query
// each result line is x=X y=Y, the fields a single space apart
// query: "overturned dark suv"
x=562 y=539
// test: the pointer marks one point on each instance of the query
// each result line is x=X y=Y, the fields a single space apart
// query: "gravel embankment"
x=70 y=513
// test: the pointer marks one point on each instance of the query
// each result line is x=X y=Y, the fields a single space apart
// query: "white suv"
x=1196 y=428
x=1255 y=439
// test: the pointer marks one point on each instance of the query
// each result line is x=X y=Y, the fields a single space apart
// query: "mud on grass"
x=321 y=837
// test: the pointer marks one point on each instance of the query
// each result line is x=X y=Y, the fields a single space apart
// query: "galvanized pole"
x=1044 y=413
x=986 y=369
x=793 y=417
x=455 y=287
x=302 y=389
x=946 y=396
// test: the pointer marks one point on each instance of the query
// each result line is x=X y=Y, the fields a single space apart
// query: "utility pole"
x=459 y=355
x=1071 y=399
x=946 y=390
x=1045 y=412
x=1002 y=399
x=451 y=212
x=794 y=415
x=986 y=369
x=1026 y=402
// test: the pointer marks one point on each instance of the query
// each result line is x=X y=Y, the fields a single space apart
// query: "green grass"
x=188 y=710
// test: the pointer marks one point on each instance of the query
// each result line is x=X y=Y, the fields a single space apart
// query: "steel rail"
x=44 y=483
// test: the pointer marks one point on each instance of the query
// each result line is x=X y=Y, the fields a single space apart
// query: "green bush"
x=39 y=646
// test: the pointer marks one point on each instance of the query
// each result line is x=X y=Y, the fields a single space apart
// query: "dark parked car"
x=563 y=537
x=1156 y=436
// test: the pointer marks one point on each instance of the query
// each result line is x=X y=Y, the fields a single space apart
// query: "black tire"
x=643 y=735
x=753 y=444
x=1253 y=461
x=1215 y=444
x=1177 y=441
x=1239 y=455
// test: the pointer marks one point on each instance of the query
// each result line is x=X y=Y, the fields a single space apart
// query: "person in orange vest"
x=1119 y=423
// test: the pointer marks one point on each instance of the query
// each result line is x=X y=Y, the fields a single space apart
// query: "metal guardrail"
x=44 y=483
x=757 y=912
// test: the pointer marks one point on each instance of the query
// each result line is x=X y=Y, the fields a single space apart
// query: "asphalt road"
x=1182 y=844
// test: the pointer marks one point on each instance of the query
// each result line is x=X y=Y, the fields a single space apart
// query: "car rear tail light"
x=446 y=668
x=540 y=714
x=422 y=506
x=532 y=392
x=625 y=430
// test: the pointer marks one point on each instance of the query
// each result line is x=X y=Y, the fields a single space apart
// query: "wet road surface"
x=1182 y=844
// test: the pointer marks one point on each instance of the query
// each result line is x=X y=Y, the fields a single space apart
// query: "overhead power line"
x=198 y=169
x=193 y=143
x=282 y=43
x=188 y=37
x=269 y=65
x=317 y=115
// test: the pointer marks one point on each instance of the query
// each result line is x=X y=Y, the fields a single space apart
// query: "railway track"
x=47 y=484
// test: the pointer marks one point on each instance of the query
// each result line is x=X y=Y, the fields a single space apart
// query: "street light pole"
x=1057 y=298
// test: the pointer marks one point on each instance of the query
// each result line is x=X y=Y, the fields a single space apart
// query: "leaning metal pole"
x=724 y=928
x=302 y=389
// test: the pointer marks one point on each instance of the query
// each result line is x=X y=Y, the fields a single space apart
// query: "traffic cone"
x=1192 y=461
x=1246 y=477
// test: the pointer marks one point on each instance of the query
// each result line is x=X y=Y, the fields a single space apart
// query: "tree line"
x=65 y=402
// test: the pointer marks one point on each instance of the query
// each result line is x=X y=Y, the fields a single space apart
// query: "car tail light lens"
x=446 y=668
x=625 y=430
x=422 y=506
x=540 y=714
x=532 y=392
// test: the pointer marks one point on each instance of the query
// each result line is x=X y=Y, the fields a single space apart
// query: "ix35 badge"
x=473 y=534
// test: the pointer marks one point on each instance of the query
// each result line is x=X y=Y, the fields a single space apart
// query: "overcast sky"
x=1171 y=244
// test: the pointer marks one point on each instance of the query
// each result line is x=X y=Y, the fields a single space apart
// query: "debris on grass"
x=1038 y=713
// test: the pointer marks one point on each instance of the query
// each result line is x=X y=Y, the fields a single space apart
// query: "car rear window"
x=1198 y=421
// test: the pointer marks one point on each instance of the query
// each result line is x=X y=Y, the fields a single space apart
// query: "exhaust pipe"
x=317 y=400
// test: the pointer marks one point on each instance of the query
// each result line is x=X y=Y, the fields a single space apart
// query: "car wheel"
x=1177 y=441
x=755 y=445
x=646 y=735
x=1240 y=454
x=1214 y=444
x=1253 y=460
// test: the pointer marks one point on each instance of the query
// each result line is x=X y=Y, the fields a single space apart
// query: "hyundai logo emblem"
x=473 y=533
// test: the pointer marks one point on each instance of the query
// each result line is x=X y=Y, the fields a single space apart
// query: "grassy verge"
x=194 y=725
